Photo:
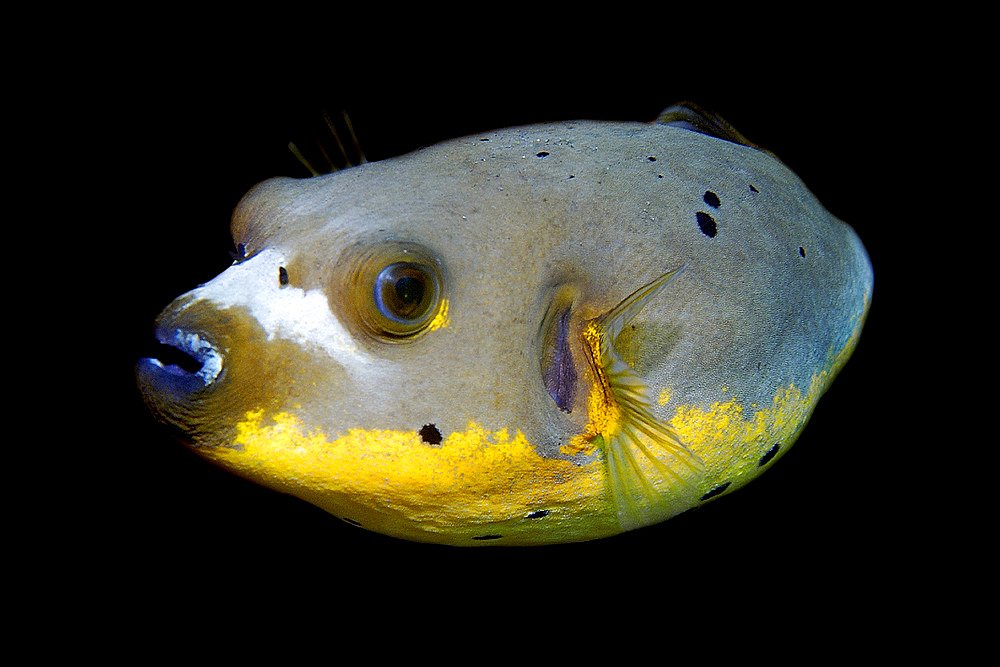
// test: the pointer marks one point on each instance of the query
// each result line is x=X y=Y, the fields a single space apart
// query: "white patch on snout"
x=287 y=312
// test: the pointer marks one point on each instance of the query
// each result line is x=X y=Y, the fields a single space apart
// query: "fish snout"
x=188 y=366
x=214 y=363
x=187 y=361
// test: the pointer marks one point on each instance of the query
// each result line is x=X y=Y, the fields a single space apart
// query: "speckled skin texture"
x=515 y=213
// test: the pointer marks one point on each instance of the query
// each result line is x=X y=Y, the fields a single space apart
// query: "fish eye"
x=405 y=293
x=396 y=288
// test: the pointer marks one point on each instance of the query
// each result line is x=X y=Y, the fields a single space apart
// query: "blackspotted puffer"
x=541 y=334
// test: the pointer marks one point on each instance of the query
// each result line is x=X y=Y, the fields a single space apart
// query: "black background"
x=184 y=143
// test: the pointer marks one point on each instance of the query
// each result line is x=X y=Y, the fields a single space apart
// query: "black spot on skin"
x=711 y=199
x=488 y=537
x=802 y=251
x=764 y=460
x=716 y=491
x=652 y=159
x=538 y=515
x=707 y=224
x=282 y=276
x=351 y=521
x=753 y=189
x=659 y=175
x=430 y=434
x=541 y=154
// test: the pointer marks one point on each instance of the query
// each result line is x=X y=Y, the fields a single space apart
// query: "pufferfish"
x=542 y=334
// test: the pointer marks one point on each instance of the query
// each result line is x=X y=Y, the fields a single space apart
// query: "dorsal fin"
x=690 y=116
x=650 y=471
x=348 y=159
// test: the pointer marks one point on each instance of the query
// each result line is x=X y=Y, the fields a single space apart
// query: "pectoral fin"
x=650 y=471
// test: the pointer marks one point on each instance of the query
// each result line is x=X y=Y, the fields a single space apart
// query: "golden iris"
x=395 y=289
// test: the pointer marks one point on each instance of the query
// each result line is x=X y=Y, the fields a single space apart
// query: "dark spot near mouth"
x=351 y=521
x=753 y=189
x=538 y=515
x=542 y=154
x=716 y=491
x=282 y=276
x=802 y=251
x=711 y=199
x=769 y=455
x=430 y=434
x=488 y=537
x=707 y=224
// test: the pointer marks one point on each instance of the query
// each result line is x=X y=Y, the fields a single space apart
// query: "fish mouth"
x=184 y=361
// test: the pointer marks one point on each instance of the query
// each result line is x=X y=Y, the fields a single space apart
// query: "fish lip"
x=193 y=344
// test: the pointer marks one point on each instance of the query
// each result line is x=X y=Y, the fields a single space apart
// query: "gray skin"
x=523 y=223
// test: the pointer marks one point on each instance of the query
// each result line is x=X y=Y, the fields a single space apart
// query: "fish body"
x=541 y=334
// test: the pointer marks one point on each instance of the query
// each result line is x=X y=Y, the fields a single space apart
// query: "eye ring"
x=396 y=290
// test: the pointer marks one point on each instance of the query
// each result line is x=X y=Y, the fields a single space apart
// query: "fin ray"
x=642 y=494
x=690 y=116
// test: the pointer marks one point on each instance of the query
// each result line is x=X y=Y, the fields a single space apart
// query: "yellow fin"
x=651 y=473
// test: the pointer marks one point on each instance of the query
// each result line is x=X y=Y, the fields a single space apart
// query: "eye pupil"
x=409 y=291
